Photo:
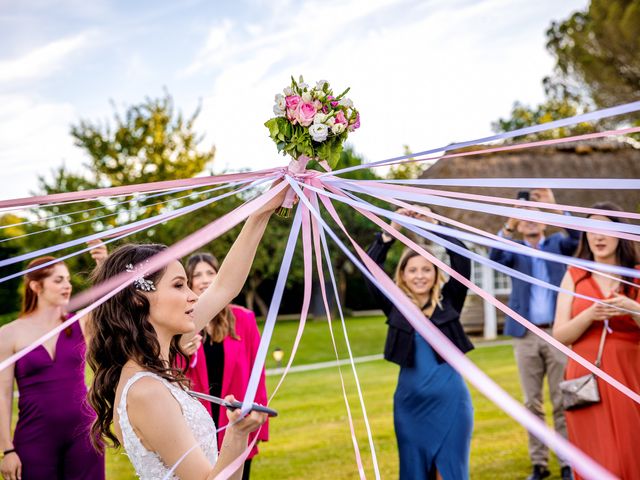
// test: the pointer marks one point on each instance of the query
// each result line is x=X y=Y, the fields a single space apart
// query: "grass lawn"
x=311 y=440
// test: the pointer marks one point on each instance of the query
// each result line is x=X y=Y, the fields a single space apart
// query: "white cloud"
x=421 y=76
x=422 y=72
x=34 y=139
x=217 y=41
x=43 y=61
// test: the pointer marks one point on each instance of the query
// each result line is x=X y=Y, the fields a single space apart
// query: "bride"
x=140 y=401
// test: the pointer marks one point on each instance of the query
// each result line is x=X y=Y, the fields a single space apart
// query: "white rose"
x=346 y=102
x=319 y=132
x=288 y=91
x=280 y=106
x=306 y=97
x=338 y=128
x=330 y=121
x=320 y=118
x=321 y=83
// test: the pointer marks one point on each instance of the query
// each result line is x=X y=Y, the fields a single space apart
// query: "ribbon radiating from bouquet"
x=100 y=293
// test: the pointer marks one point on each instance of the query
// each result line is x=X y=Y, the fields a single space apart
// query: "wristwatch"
x=506 y=228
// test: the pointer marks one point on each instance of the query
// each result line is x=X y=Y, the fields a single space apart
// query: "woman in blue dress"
x=432 y=411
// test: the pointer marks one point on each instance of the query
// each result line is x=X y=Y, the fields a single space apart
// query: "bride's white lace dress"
x=149 y=465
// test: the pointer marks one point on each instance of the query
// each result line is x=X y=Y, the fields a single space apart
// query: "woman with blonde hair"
x=433 y=415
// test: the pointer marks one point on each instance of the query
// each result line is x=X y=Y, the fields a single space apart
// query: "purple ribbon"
x=582 y=463
x=585 y=117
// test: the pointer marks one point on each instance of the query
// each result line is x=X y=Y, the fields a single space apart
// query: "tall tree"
x=599 y=50
x=10 y=246
x=407 y=170
x=561 y=102
x=150 y=142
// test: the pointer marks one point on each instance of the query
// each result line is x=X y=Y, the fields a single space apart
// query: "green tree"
x=149 y=143
x=10 y=297
x=599 y=50
x=406 y=170
x=561 y=102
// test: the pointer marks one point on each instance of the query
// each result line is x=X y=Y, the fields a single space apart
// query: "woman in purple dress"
x=51 y=440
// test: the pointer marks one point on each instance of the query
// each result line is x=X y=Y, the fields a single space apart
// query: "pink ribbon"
x=506 y=201
x=582 y=463
x=463 y=226
x=296 y=167
x=613 y=229
x=318 y=236
x=495 y=302
x=325 y=301
x=84 y=195
x=102 y=292
x=519 y=146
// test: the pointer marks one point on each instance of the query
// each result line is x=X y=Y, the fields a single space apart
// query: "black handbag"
x=583 y=391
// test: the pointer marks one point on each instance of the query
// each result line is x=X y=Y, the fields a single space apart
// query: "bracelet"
x=7 y=452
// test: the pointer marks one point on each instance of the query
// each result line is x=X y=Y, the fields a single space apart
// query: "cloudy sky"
x=423 y=73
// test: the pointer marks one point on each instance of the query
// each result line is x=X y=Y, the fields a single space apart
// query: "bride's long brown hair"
x=120 y=331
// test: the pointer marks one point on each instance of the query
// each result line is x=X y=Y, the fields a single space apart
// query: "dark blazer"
x=521 y=290
x=399 y=347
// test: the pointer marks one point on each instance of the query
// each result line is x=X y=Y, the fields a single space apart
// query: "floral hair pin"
x=141 y=283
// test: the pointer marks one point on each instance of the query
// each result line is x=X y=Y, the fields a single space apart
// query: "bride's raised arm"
x=235 y=268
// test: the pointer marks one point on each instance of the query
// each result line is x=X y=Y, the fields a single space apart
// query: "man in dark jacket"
x=534 y=356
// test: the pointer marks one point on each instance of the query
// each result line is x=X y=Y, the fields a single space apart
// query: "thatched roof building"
x=595 y=159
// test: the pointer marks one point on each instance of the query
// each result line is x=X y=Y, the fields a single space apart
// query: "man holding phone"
x=534 y=356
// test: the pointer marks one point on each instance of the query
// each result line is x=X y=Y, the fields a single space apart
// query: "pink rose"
x=340 y=118
x=355 y=124
x=305 y=113
x=292 y=102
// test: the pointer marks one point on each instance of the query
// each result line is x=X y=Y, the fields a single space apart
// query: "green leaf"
x=272 y=125
x=343 y=94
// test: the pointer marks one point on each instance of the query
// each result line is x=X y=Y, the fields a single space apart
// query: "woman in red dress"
x=608 y=431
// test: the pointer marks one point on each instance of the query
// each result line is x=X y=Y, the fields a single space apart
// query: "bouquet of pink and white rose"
x=312 y=123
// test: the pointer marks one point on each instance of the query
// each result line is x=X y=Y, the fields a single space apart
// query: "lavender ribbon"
x=532 y=215
x=588 y=468
x=267 y=332
x=561 y=183
x=97 y=236
x=585 y=117
x=613 y=269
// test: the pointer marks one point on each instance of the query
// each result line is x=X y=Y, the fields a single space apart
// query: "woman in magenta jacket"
x=221 y=364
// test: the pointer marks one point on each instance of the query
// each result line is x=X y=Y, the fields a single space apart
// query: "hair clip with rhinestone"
x=141 y=283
